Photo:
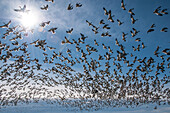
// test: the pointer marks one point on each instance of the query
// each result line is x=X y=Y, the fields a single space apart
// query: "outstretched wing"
x=6 y=25
x=9 y=22
x=2 y=26
x=17 y=10
x=24 y=8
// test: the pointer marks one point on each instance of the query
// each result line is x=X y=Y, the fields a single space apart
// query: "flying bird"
x=131 y=11
x=123 y=5
x=164 y=29
x=152 y=26
x=6 y=25
x=70 y=7
x=102 y=22
x=150 y=30
x=106 y=26
x=52 y=30
x=23 y=10
x=89 y=23
x=156 y=11
x=138 y=39
x=69 y=31
x=95 y=31
x=105 y=11
x=119 y=22
x=45 y=7
x=166 y=51
x=164 y=11
x=78 y=5
x=43 y=24
x=132 y=19
x=111 y=18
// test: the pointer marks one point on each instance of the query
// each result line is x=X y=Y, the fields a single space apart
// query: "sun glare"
x=29 y=19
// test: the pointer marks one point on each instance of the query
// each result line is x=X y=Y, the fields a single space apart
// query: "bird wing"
x=17 y=10
x=24 y=8
x=9 y=22
x=2 y=26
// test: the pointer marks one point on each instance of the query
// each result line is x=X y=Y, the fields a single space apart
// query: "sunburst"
x=29 y=20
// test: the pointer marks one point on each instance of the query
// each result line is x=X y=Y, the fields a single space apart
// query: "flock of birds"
x=112 y=78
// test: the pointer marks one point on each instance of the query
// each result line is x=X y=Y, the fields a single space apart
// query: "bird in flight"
x=45 y=7
x=43 y=24
x=52 y=30
x=70 y=7
x=78 y=4
x=69 y=31
x=123 y=5
x=6 y=25
x=166 y=51
x=23 y=10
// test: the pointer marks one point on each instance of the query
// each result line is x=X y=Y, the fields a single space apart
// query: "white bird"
x=23 y=10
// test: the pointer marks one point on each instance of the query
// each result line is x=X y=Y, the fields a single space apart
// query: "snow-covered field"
x=53 y=108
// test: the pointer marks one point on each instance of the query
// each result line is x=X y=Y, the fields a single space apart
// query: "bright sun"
x=29 y=20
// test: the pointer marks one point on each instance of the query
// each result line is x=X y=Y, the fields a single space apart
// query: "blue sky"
x=91 y=10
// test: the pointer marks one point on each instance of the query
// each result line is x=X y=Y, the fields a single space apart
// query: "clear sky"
x=92 y=11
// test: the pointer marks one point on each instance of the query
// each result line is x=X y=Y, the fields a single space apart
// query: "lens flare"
x=29 y=20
